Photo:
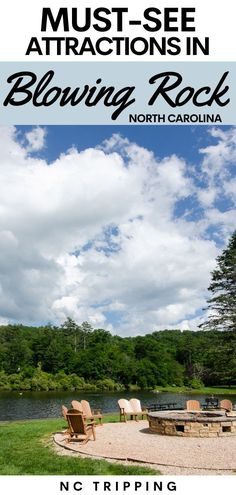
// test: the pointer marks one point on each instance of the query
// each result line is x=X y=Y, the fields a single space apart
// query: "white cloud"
x=218 y=156
x=36 y=139
x=208 y=196
x=96 y=235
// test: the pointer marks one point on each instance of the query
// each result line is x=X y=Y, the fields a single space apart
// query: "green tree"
x=223 y=287
x=86 y=329
x=53 y=360
x=72 y=332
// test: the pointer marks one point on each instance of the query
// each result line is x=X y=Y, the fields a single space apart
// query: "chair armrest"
x=89 y=419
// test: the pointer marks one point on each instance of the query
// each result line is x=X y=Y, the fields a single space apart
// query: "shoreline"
x=159 y=389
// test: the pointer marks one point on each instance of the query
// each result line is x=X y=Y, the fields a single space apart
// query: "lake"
x=36 y=405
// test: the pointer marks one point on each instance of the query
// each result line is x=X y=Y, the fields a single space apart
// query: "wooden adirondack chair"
x=193 y=405
x=64 y=410
x=126 y=409
x=89 y=414
x=78 y=429
x=77 y=405
x=226 y=404
x=137 y=408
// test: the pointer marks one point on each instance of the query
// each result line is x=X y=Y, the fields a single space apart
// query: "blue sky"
x=116 y=225
x=162 y=140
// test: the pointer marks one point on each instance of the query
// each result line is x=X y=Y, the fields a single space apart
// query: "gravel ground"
x=132 y=442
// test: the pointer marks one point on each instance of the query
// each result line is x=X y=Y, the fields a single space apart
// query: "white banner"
x=94 y=30
x=116 y=485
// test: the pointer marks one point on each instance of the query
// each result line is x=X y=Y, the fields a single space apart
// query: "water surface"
x=36 y=405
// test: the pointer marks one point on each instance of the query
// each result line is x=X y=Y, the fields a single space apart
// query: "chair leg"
x=94 y=434
x=122 y=415
x=85 y=441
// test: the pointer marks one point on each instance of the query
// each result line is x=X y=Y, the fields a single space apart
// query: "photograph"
x=118 y=300
x=117 y=247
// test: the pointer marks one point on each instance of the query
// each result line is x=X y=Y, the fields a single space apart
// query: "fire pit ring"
x=192 y=423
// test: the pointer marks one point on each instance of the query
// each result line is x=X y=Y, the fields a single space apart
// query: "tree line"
x=76 y=356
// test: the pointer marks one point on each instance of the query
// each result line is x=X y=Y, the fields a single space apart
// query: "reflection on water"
x=33 y=405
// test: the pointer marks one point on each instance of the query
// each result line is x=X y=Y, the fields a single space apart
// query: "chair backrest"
x=64 y=411
x=125 y=404
x=193 y=405
x=76 y=422
x=136 y=405
x=77 y=405
x=86 y=408
x=226 y=404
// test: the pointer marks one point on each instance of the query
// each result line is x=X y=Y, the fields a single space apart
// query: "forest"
x=78 y=357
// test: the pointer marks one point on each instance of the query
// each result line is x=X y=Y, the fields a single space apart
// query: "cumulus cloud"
x=221 y=154
x=112 y=235
x=35 y=139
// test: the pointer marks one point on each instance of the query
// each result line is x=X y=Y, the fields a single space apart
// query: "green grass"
x=26 y=448
x=204 y=390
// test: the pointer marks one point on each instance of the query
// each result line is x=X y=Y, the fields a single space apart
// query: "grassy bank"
x=203 y=390
x=27 y=448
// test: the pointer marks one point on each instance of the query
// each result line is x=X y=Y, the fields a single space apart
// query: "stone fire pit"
x=192 y=423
